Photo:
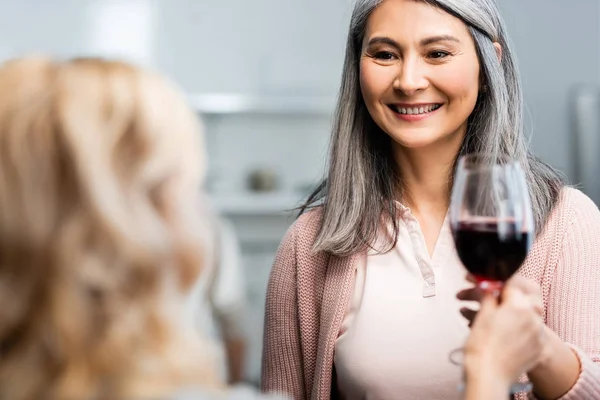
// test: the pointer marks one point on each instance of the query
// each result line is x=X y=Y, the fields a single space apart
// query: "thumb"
x=489 y=304
x=489 y=300
x=513 y=294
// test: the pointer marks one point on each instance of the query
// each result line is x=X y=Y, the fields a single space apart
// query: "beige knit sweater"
x=308 y=294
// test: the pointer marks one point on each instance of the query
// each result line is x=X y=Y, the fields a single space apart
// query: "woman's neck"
x=426 y=177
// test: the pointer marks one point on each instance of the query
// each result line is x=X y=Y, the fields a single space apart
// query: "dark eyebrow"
x=383 y=40
x=424 y=42
x=440 y=38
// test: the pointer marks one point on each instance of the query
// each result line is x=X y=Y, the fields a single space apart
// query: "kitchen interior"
x=263 y=76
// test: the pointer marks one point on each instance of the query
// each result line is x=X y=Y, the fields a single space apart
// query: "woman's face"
x=419 y=73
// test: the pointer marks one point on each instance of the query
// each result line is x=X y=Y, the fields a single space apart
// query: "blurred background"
x=263 y=76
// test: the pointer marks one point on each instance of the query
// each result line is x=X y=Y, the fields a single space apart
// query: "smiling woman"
x=362 y=299
x=419 y=74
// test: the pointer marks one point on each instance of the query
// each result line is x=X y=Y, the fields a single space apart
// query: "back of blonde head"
x=99 y=169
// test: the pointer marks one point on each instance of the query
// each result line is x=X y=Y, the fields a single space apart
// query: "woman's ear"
x=498 y=47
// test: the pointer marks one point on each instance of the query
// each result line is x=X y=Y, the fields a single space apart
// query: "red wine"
x=489 y=253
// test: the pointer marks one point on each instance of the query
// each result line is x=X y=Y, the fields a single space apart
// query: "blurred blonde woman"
x=100 y=234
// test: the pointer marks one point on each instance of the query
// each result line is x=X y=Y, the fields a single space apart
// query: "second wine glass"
x=491 y=221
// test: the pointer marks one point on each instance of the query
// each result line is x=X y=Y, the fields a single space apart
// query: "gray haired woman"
x=362 y=300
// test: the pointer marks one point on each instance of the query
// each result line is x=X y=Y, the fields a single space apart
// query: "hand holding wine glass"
x=517 y=282
x=506 y=339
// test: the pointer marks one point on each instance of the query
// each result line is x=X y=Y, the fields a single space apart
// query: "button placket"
x=422 y=255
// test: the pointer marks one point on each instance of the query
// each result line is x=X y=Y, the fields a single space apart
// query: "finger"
x=471 y=294
x=471 y=278
x=483 y=317
x=527 y=286
x=538 y=304
x=512 y=294
x=543 y=335
x=489 y=303
x=468 y=313
x=528 y=289
x=489 y=300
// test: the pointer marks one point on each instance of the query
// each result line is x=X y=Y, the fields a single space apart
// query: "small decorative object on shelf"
x=263 y=180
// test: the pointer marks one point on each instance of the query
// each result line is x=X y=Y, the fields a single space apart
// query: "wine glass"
x=492 y=223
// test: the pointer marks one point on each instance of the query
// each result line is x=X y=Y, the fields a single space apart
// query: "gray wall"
x=254 y=46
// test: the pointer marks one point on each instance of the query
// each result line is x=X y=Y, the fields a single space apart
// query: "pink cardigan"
x=308 y=294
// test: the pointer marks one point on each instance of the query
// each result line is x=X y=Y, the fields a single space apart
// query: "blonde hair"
x=100 y=167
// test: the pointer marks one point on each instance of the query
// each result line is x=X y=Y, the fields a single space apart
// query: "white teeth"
x=417 y=110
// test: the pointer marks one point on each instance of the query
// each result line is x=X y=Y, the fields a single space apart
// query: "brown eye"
x=438 y=54
x=384 y=56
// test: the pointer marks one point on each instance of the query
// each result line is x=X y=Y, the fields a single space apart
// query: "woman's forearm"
x=484 y=382
x=486 y=389
x=558 y=371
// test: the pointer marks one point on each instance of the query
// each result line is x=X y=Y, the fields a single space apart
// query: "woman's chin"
x=420 y=139
x=415 y=142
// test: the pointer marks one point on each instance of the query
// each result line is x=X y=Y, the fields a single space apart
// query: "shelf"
x=256 y=203
x=230 y=103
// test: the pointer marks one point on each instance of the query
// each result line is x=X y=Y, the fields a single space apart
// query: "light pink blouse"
x=404 y=318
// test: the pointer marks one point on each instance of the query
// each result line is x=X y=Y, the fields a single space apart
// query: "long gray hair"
x=362 y=181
